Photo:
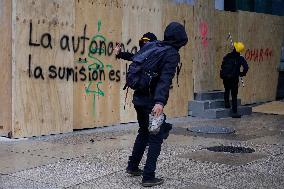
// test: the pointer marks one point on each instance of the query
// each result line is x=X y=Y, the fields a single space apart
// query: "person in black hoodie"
x=230 y=73
x=147 y=37
x=153 y=101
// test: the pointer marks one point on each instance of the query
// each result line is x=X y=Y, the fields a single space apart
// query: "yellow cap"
x=239 y=46
x=145 y=39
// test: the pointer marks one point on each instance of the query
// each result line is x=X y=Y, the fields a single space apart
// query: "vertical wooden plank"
x=274 y=27
x=225 y=22
x=262 y=53
x=139 y=17
x=97 y=99
x=203 y=67
x=182 y=90
x=6 y=67
x=41 y=104
x=248 y=38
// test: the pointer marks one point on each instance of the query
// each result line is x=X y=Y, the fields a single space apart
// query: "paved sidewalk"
x=97 y=158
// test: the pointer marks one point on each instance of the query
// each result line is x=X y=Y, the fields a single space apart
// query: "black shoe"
x=152 y=182
x=168 y=127
x=137 y=172
x=236 y=115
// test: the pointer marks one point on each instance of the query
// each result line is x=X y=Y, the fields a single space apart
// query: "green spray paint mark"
x=95 y=65
x=99 y=25
x=95 y=92
x=109 y=67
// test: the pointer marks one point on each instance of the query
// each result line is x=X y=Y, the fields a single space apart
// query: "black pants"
x=231 y=85
x=143 y=138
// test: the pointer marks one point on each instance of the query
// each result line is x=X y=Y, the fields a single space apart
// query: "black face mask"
x=142 y=42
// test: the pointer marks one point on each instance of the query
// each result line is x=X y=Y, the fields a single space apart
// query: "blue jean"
x=143 y=138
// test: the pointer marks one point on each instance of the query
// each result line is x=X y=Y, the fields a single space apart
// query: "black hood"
x=175 y=35
x=233 y=54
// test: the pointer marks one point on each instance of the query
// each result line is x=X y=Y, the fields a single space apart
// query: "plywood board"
x=83 y=35
x=41 y=104
x=139 y=17
x=182 y=88
x=97 y=99
x=262 y=54
x=262 y=51
x=275 y=107
x=203 y=65
x=6 y=67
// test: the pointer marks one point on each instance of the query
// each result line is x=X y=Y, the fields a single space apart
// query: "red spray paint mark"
x=258 y=55
x=203 y=28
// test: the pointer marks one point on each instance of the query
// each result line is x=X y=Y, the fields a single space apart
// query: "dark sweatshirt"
x=234 y=58
x=176 y=37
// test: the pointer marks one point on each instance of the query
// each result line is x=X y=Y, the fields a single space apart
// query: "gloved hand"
x=242 y=74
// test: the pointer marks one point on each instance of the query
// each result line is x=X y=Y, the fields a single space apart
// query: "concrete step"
x=222 y=112
x=210 y=95
x=196 y=105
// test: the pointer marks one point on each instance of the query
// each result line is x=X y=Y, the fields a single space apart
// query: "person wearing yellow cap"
x=230 y=73
x=147 y=37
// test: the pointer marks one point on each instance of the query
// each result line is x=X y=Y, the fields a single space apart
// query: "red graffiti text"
x=258 y=55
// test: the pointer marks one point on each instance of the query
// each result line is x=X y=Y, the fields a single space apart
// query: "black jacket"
x=228 y=66
x=125 y=56
x=158 y=93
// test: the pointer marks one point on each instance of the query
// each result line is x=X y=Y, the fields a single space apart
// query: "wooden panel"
x=96 y=99
x=139 y=17
x=262 y=53
x=275 y=107
x=83 y=35
x=203 y=66
x=225 y=23
x=6 y=67
x=41 y=105
x=182 y=90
